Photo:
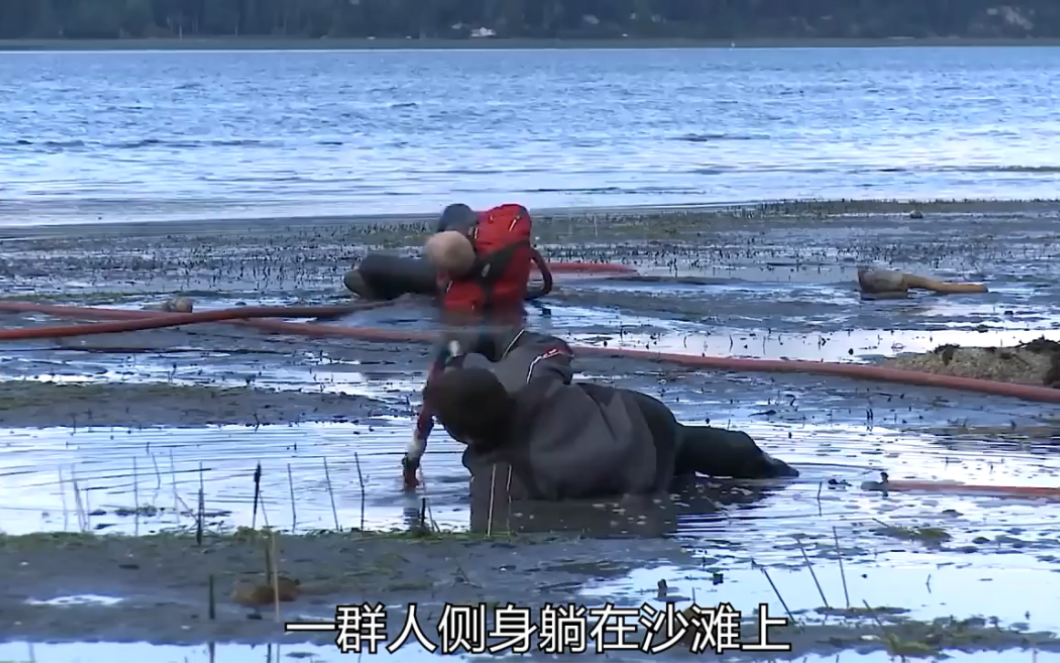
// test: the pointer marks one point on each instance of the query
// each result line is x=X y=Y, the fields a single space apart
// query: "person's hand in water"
x=409 y=467
x=410 y=464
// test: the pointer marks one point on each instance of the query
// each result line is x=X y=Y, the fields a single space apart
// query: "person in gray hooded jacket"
x=511 y=398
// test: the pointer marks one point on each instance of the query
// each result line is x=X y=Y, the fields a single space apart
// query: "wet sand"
x=773 y=280
x=44 y=405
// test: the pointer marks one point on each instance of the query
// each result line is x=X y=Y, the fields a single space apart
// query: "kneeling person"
x=565 y=440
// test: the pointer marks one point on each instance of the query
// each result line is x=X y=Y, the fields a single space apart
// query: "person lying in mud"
x=511 y=398
x=488 y=342
x=475 y=262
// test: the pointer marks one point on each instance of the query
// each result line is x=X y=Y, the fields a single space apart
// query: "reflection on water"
x=859 y=345
x=159 y=472
x=216 y=370
x=80 y=599
x=1022 y=592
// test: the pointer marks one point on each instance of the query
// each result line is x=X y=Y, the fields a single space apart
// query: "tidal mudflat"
x=119 y=434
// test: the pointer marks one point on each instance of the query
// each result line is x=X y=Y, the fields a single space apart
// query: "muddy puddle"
x=317 y=476
x=219 y=369
x=849 y=346
x=930 y=554
x=1020 y=594
x=107 y=652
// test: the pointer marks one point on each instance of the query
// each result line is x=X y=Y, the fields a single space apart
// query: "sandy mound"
x=1036 y=362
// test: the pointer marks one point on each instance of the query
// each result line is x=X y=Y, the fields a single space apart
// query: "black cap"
x=457 y=216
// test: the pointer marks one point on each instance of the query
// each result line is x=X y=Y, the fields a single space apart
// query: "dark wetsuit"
x=585 y=440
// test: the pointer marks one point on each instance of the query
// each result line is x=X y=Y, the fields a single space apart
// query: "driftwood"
x=883 y=283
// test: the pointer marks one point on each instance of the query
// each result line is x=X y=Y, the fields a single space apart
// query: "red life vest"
x=502 y=239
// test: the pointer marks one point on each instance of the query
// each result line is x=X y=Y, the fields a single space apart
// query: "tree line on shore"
x=573 y=19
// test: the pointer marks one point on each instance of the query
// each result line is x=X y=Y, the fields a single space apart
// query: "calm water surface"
x=112 y=136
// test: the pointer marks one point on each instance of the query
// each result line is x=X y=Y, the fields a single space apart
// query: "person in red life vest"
x=501 y=239
x=513 y=402
x=483 y=261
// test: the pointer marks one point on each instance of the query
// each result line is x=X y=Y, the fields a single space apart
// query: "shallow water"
x=858 y=346
x=159 y=471
x=860 y=333
x=182 y=134
x=1015 y=593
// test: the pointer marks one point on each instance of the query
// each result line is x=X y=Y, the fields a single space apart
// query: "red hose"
x=854 y=371
x=152 y=320
x=957 y=488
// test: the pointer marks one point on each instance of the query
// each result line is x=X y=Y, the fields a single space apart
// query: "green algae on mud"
x=36 y=404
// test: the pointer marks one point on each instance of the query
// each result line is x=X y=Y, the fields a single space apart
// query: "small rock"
x=264 y=595
x=178 y=305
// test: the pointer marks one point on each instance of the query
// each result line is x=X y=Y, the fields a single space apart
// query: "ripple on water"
x=159 y=471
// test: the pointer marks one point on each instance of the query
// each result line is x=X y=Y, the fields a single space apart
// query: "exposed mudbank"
x=1034 y=362
x=75 y=587
x=773 y=281
x=30 y=404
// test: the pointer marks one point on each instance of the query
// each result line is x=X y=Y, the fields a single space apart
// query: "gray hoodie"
x=568 y=441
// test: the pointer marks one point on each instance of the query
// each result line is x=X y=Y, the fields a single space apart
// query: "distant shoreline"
x=306 y=44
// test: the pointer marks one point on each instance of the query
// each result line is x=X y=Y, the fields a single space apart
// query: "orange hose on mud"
x=954 y=488
x=156 y=321
x=151 y=320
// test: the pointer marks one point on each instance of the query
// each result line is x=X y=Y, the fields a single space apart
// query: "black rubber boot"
x=385 y=277
x=355 y=283
x=727 y=453
x=776 y=468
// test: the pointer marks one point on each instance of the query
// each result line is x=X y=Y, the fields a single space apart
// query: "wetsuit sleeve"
x=551 y=357
x=425 y=420
x=553 y=363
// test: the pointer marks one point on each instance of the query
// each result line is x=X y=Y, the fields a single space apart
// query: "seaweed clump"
x=1036 y=362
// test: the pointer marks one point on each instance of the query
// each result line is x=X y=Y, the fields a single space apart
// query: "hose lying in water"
x=589 y=268
x=955 y=488
x=152 y=320
x=136 y=320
